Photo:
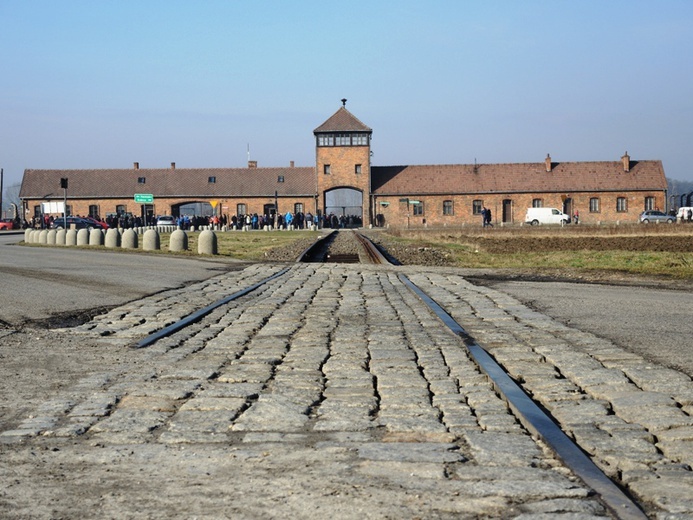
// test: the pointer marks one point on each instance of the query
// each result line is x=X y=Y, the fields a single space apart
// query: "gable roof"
x=518 y=178
x=179 y=182
x=342 y=121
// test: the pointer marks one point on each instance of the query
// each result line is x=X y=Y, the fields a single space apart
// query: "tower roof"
x=342 y=121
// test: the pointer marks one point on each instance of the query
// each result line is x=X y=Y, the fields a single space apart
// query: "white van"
x=682 y=215
x=537 y=216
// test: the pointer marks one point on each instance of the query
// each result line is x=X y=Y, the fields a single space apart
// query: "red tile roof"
x=385 y=180
x=179 y=182
x=517 y=178
x=342 y=121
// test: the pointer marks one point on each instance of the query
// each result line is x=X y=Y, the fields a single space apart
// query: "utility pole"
x=2 y=174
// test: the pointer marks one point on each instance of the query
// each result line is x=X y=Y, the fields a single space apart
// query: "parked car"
x=73 y=223
x=536 y=216
x=656 y=216
x=8 y=223
x=165 y=220
x=96 y=223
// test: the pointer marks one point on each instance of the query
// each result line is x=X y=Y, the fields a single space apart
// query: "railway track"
x=351 y=247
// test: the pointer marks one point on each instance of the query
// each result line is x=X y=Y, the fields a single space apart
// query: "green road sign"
x=144 y=198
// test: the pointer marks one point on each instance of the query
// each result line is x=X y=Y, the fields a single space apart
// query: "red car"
x=7 y=223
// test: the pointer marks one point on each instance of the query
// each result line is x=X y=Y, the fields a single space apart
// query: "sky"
x=103 y=84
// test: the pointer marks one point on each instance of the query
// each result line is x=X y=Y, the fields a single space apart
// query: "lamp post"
x=63 y=185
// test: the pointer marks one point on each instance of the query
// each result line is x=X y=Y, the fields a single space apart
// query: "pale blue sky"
x=101 y=84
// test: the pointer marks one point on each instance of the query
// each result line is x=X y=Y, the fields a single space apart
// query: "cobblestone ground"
x=334 y=392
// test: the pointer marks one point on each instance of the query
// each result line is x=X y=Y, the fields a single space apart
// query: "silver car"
x=166 y=220
x=656 y=216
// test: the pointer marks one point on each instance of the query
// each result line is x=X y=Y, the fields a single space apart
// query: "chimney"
x=173 y=166
x=252 y=164
x=547 y=162
x=136 y=166
x=291 y=164
x=626 y=162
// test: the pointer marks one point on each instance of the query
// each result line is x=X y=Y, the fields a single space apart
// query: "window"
x=537 y=203
x=93 y=211
x=649 y=203
x=142 y=180
x=448 y=208
x=418 y=209
x=326 y=169
x=37 y=211
x=241 y=209
x=343 y=139
x=326 y=140
x=477 y=205
x=621 y=204
x=357 y=169
x=594 y=205
x=212 y=180
x=359 y=139
x=298 y=208
x=280 y=178
x=121 y=209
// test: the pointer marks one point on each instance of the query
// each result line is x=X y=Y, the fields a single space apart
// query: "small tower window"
x=357 y=169
x=326 y=169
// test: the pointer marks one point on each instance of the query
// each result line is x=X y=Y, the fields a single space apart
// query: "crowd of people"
x=287 y=220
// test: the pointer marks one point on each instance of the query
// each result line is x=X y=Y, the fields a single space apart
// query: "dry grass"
x=640 y=249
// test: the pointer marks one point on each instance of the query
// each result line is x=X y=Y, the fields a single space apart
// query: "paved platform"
x=333 y=391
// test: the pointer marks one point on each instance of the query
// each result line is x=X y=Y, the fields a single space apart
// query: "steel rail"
x=198 y=315
x=372 y=251
x=537 y=421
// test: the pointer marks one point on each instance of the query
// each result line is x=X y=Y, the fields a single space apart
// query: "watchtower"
x=343 y=166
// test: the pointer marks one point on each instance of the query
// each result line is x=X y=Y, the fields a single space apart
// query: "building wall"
x=163 y=206
x=396 y=212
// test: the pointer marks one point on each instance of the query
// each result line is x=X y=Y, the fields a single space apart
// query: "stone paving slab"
x=333 y=391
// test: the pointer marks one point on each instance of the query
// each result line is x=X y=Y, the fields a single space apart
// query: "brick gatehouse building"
x=344 y=182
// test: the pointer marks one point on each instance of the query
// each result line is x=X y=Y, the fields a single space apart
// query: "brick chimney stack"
x=547 y=162
x=626 y=162
x=252 y=164
x=291 y=164
x=173 y=166
x=136 y=166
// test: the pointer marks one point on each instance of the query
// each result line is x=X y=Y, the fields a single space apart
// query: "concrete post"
x=207 y=243
x=50 y=237
x=112 y=238
x=96 y=237
x=71 y=237
x=60 y=237
x=129 y=239
x=83 y=237
x=43 y=236
x=151 y=240
x=178 y=241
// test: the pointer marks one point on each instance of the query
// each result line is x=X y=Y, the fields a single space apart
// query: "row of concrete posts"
x=121 y=238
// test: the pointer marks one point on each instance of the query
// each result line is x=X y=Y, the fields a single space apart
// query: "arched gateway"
x=346 y=202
